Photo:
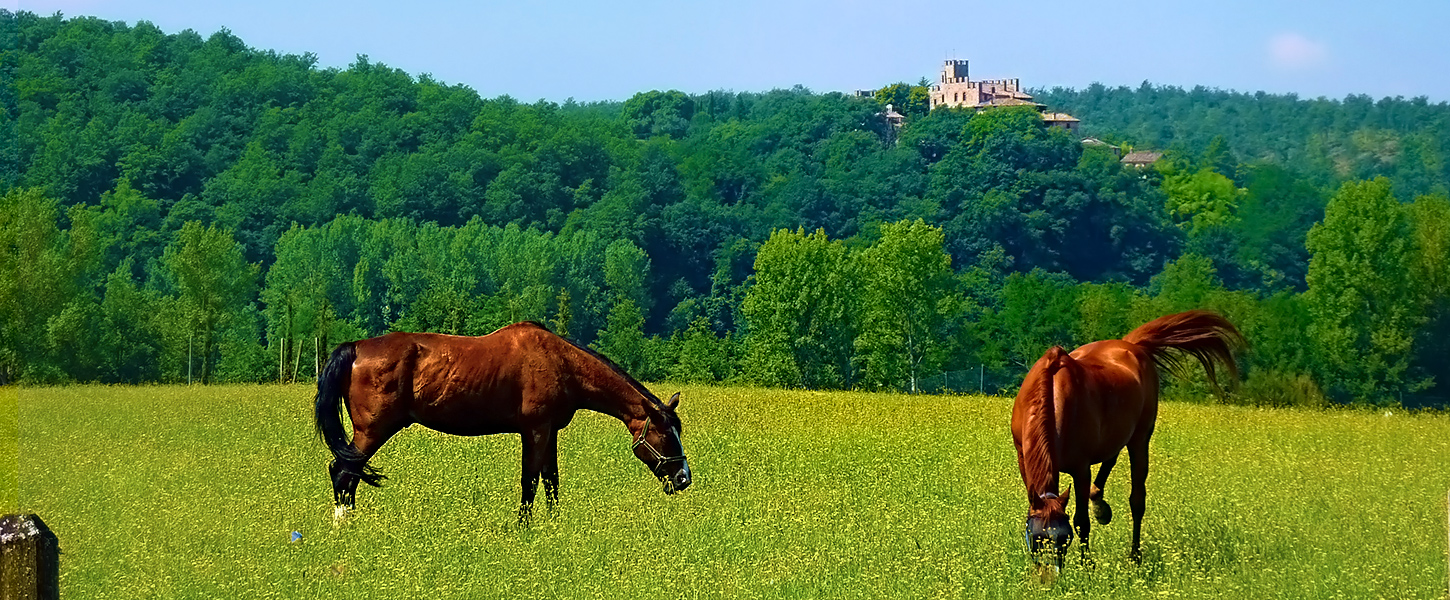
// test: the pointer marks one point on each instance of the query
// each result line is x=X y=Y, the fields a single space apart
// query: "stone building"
x=955 y=89
x=1117 y=152
x=1141 y=159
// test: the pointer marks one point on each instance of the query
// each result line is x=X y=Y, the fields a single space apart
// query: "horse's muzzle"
x=1049 y=542
x=677 y=481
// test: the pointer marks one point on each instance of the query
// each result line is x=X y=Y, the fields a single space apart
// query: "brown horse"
x=520 y=379
x=1080 y=409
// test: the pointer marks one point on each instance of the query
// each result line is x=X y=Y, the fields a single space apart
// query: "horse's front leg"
x=1081 y=480
x=538 y=454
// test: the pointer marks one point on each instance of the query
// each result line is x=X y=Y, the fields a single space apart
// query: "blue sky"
x=604 y=51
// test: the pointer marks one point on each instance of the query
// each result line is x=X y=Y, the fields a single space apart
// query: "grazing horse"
x=520 y=379
x=1080 y=409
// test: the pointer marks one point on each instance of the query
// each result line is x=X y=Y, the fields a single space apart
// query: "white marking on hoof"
x=339 y=514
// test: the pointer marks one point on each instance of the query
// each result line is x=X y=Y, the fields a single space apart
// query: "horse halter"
x=664 y=460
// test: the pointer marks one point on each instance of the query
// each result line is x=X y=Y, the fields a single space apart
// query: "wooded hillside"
x=177 y=204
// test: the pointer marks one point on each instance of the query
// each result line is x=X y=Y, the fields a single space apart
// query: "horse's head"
x=1048 y=530
x=657 y=444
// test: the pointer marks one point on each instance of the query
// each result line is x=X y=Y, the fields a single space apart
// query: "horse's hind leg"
x=1101 y=511
x=367 y=440
x=344 y=486
x=1137 y=499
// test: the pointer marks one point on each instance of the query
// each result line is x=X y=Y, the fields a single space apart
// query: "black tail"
x=332 y=386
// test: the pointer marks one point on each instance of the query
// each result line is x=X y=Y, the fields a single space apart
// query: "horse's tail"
x=1202 y=334
x=332 y=386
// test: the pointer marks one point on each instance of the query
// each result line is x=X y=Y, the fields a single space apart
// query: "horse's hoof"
x=340 y=514
x=1102 y=513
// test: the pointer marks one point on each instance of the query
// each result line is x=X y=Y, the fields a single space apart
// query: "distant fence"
x=973 y=380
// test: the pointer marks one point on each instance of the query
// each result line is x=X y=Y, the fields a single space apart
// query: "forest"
x=185 y=208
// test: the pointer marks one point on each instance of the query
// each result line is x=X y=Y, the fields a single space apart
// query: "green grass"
x=9 y=451
x=176 y=492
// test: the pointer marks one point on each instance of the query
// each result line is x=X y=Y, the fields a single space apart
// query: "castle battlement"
x=955 y=89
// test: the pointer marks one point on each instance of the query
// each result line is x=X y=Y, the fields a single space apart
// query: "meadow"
x=194 y=492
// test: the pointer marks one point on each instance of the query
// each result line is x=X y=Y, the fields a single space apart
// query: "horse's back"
x=1110 y=399
x=463 y=385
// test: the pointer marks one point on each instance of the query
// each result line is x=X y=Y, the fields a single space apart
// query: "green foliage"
x=907 y=99
x=656 y=113
x=1274 y=217
x=214 y=286
x=623 y=340
x=626 y=269
x=1364 y=309
x=1200 y=200
x=1035 y=311
x=1327 y=140
x=799 y=312
x=35 y=279
x=368 y=200
x=1429 y=218
x=908 y=305
x=701 y=355
x=1105 y=311
x=1280 y=390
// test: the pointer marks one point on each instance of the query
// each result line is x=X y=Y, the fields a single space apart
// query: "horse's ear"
x=673 y=401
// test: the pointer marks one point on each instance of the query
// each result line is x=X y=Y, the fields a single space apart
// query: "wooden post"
x=29 y=559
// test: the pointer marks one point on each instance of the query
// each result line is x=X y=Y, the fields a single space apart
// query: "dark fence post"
x=29 y=559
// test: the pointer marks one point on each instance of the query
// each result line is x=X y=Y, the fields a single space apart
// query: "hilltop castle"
x=956 y=90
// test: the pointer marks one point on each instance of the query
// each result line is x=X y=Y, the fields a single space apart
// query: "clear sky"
x=610 y=50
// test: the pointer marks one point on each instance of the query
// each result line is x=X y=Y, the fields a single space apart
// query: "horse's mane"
x=1039 y=452
x=613 y=366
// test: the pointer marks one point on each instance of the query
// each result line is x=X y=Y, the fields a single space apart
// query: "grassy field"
x=9 y=451
x=177 y=492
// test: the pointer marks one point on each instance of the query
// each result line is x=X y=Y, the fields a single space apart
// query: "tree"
x=35 y=281
x=798 y=312
x=703 y=357
x=623 y=339
x=214 y=284
x=1361 y=296
x=1189 y=283
x=1201 y=200
x=1430 y=220
x=909 y=305
x=1106 y=311
x=907 y=99
x=659 y=113
x=130 y=334
x=1036 y=311
x=626 y=271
